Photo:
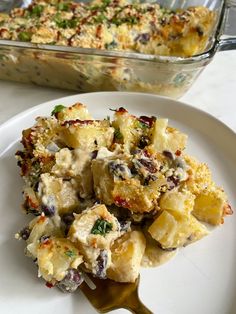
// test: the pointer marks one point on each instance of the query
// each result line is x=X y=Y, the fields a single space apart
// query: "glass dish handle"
x=227 y=40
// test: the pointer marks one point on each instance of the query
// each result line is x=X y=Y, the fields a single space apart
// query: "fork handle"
x=138 y=308
x=135 y=306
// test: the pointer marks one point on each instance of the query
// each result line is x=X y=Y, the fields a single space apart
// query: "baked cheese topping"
x=111 y=25
x=111 y=196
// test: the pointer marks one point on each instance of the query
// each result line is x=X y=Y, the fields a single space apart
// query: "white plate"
x=201 y=279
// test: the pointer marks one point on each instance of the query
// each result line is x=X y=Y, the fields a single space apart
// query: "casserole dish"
x=87 y=69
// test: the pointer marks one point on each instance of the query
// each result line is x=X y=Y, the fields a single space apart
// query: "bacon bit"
x=178 y=152
x=99 y=31
x=58 y=35
x=146 y=153
x=121 y=202
x=46 y=243
x=2 y=31
x=121 y=110
x=49 y=285
x=70 y=40
x=149 y=121
x=77 y=121
x=227 y=210
x=30 y=203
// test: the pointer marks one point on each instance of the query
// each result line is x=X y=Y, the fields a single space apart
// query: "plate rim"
x=135 y=94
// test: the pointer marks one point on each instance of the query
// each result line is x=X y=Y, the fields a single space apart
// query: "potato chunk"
x=77 y=111
x=178 y=202
x=58 y=195
x=88 y=134
x=55 y=256
x=92 y=241
x=166 y=138
x=75 y=164
x=173 y=231
x=115 y=184
x=126 y=255
x=210 y=206
x=39 y=227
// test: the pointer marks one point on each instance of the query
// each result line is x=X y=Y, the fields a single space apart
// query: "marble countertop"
x=214 y=91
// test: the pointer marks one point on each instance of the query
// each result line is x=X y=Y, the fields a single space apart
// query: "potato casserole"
x=111 y=195
x=111 y=24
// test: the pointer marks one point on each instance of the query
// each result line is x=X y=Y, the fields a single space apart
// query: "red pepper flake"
x=121 y=202
x=149 y=121
x=178 y=152
x=146 y=153
x=49 y=285
x=99 y=31
x=42 y=219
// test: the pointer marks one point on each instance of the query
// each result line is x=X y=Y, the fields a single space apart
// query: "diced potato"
x=128 y=129
x=126 y=255
x=55 y=256
x=41 y=226
x=134 y=196
x=125 y=131
x=210 y=206
x=91 y=244
x=88 y=135
x=37 y=138
x=77 y=111
x=179 y=202
x=199 y=175
x=127 y=192
x=75 y=164
x=103 y=188
x=54 y=192
x=175 y=231
x=166 y=138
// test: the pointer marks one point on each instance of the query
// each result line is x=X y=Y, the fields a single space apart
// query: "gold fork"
x=107 y=295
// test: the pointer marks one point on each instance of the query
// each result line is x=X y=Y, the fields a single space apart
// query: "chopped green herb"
x=118 y=135
x=70 y=253
x=141 y=125
x=25 y=36
x=66 y=23
x=57 y=109
x=36 y=11
x=111 y=45
x=100 y=18
x=101 y=227
x=63 y=6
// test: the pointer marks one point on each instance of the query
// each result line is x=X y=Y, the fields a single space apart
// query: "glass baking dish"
x=87 y=70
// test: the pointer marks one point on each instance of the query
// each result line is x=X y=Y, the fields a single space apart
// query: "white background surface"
x=214 y=91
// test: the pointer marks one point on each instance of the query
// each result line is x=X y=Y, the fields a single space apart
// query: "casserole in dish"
x=162 y=71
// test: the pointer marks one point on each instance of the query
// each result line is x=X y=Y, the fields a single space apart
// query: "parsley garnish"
x=101 y=227
x=141 y=125
x=63 y=6
x=100 y=18
x=111 y=45
x=70 y=253
x=57 y=109
x=118 y=135
x=65 y=23
x=36 y=11
x=24 y=36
